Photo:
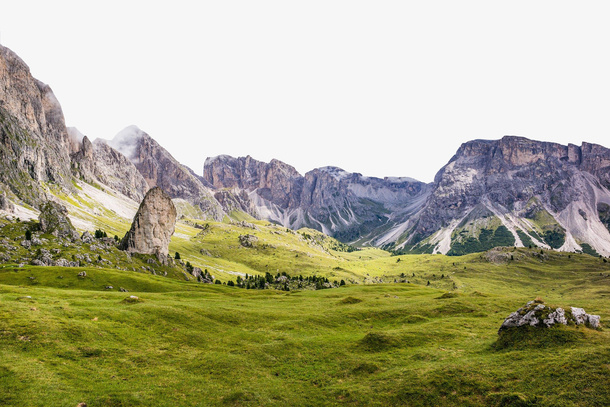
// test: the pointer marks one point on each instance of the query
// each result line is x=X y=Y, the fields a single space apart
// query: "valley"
x=129 y=279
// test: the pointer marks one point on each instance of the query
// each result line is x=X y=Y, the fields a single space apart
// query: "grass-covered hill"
x=405 y=330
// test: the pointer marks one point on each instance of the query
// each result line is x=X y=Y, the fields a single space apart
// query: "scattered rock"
x=537 y=314
x=82 y=274
x=87 y=237
x=109 y=287
x=26 y=244
x=247 y=240
x=123 y=290
x=153 y=225
x=36 y=241
x=54 y=219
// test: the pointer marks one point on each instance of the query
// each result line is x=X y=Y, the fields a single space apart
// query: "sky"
x=383 y=88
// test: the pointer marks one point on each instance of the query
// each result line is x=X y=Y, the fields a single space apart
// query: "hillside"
x=181 y=343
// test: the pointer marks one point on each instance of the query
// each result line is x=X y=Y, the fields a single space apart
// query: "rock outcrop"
x=153 y=225
x=5 y=204
x=54 y=220
x=537 y=314
x=34 y=143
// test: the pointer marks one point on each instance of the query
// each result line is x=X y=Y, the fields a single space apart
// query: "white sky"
x=384 y=88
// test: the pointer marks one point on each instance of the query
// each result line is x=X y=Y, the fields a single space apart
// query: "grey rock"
x=5 y=204
x=153 y=225
x=54 y=219
x=248 y=240
x=540 y=315
x=109 y=287
x=87 y=237
x=26 y=244
x=580 y=316
x=82 y=274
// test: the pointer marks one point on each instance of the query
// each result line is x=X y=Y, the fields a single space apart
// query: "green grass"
x=183 y=343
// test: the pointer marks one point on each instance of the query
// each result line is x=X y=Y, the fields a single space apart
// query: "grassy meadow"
x=65 y=339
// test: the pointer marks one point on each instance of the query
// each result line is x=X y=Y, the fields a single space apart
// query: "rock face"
x=346 y=205
x=98 y=162
x=539 y=315
x=534 y=193
x=160 y=169
x=54 y=219
x=5 y=204
x=153 y=225
x=34 y=144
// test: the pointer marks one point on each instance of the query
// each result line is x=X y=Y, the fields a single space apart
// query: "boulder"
x=54 y=219
x=153 y=225
x=87 y=237
x=537 y=314
x=247 y=240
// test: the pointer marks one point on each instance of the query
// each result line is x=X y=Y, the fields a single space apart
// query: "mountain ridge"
x=513 y=191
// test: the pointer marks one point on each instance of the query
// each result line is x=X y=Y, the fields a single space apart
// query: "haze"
x=382 y=88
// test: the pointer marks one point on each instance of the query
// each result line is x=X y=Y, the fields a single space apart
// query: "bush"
x=28 y=235
x=217 y=281
x=189 y=267
x=177 y=256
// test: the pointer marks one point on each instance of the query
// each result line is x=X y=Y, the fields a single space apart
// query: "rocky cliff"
x=34 y=143
x=516 y=191
x=97 y=162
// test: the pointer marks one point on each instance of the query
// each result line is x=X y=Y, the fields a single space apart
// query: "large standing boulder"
x=153 y=225
x=54 y=220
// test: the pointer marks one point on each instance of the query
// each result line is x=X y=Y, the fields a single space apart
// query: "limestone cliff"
x=34 y=144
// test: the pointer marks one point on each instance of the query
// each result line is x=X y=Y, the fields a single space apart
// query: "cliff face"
x=541 y=193
x=34 y=144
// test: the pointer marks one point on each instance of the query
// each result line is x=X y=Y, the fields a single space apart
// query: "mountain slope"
x=544 y=194
x=346 y=205
x=159 y=168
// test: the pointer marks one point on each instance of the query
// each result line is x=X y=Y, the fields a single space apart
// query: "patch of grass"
x=528 y=337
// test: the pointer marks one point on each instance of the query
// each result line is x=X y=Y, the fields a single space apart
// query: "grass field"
x=68 y=340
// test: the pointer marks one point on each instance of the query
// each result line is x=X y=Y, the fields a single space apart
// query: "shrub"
x=217 y=281
x=28 y=235
x=177 y=256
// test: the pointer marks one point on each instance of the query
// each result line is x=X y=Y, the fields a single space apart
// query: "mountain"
x=34 y=143
x=160 y=168
x=349 y=206
x=508 y=192
x=516 y=191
